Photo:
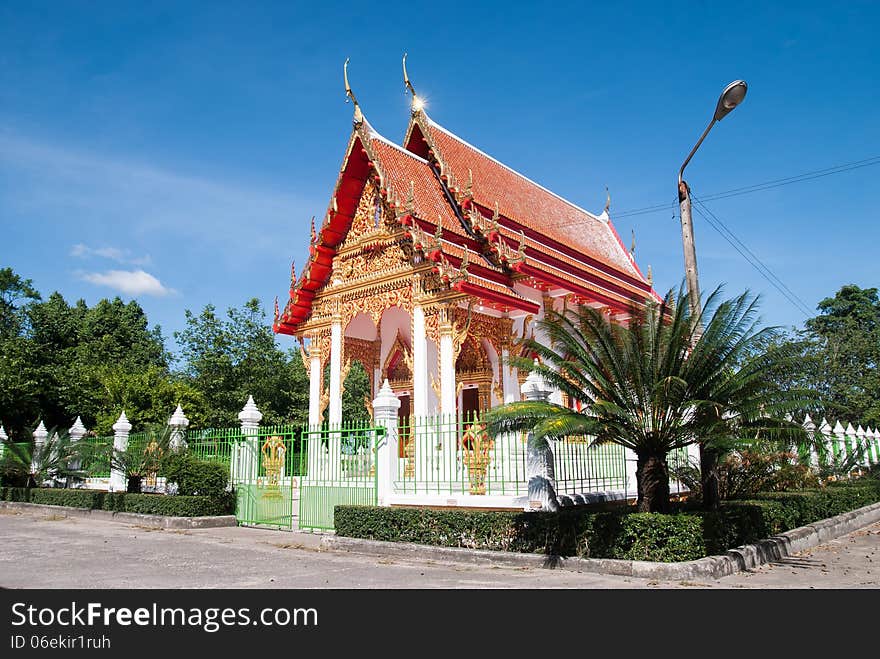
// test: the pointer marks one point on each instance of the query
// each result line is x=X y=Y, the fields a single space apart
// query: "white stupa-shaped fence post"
x=178 y=424
x=121 y=430
x=827 y=454
x=810 y=429
x=839 y=443
x=40 y=437
x=861 y=447
x=245 y=457
x=76 y=433
x=385 y=408
x=851 y=443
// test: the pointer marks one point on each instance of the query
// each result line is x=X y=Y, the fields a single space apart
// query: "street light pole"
x=732 y=96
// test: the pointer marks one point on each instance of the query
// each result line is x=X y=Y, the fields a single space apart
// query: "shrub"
x=65 y=497
x=148 y=504
x=195 y=477
x=622 y=533
x=648 y=536
x=176 y=506
x=743 y=474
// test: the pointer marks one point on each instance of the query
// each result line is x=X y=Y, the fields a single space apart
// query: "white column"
x=509 y=381
x=336 y=372
x=385 y=408
x=40 y=437
x=118 y=480
x=315 y=372
x=447 y=374
x=178 y=424
x=420 y=363
x=3 y=438
x=244 y=461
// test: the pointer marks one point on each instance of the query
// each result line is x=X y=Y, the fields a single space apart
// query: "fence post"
x=875 y=440
x=40 y=437
x=118 y=480
x=826 y=458
x=243 y=465
x=851 y=444
x=385 y=408
x=863 y=447
x=76 y=433
x=838 y=444
x=178 y=424
x=540 y=470
x=810 y=428
x=3 y=438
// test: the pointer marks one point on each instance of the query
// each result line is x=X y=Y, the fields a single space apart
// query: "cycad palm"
x=660 y=382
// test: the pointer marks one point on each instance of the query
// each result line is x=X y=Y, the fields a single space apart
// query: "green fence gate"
x=265 y=469
x=339 y=467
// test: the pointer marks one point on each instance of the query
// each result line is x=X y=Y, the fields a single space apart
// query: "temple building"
x=432 y=262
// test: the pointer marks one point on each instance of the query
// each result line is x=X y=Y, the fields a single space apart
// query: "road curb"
x=153 y=521
x=738 y=559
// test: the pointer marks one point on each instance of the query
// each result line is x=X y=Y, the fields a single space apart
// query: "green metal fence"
x=265 y=468
x=338 y=467
x=96 y=452
x=452 y=455
x=449 y=455
x=583 y=466
x=213 y=444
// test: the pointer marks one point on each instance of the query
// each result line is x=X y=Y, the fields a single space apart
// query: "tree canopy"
x=60 y=360
x=840 y=356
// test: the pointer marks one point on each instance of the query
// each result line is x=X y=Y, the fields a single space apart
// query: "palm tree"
x=37 y=463
x=659 y=382
x=139 y=460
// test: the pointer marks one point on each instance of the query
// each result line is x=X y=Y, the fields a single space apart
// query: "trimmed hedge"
x=622 y=534
x=147 y=504
x=195 y=477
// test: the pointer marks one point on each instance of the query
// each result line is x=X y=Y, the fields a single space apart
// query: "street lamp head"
x=732 y=96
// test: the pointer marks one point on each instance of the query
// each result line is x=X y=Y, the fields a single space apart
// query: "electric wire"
x=766 y=185
x=716 y=223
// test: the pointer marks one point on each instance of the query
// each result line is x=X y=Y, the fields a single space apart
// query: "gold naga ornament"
x=273 y=451
x=476 y=444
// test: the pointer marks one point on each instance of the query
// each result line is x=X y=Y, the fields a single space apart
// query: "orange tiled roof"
x=527 y=203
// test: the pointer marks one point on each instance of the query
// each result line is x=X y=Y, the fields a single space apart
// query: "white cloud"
x=130 y=282
x=58 y=182
x=113 y=253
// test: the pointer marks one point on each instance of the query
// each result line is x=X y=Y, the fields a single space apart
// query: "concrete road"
x=50 y=551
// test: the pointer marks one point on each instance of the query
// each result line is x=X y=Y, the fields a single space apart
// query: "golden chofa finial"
x=358 y=115
x=650 y=276
x=607 y=200
x=417 y=104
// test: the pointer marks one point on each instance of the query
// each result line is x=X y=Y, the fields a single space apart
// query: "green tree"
x=841 y=355
x=655 y=384
x=227 y=360
x=15 y=294
x=56 y=357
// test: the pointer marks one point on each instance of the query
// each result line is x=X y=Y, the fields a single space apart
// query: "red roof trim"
x=497 y=297
x=588 y=293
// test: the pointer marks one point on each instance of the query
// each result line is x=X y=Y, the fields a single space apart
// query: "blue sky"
x=174 y=152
